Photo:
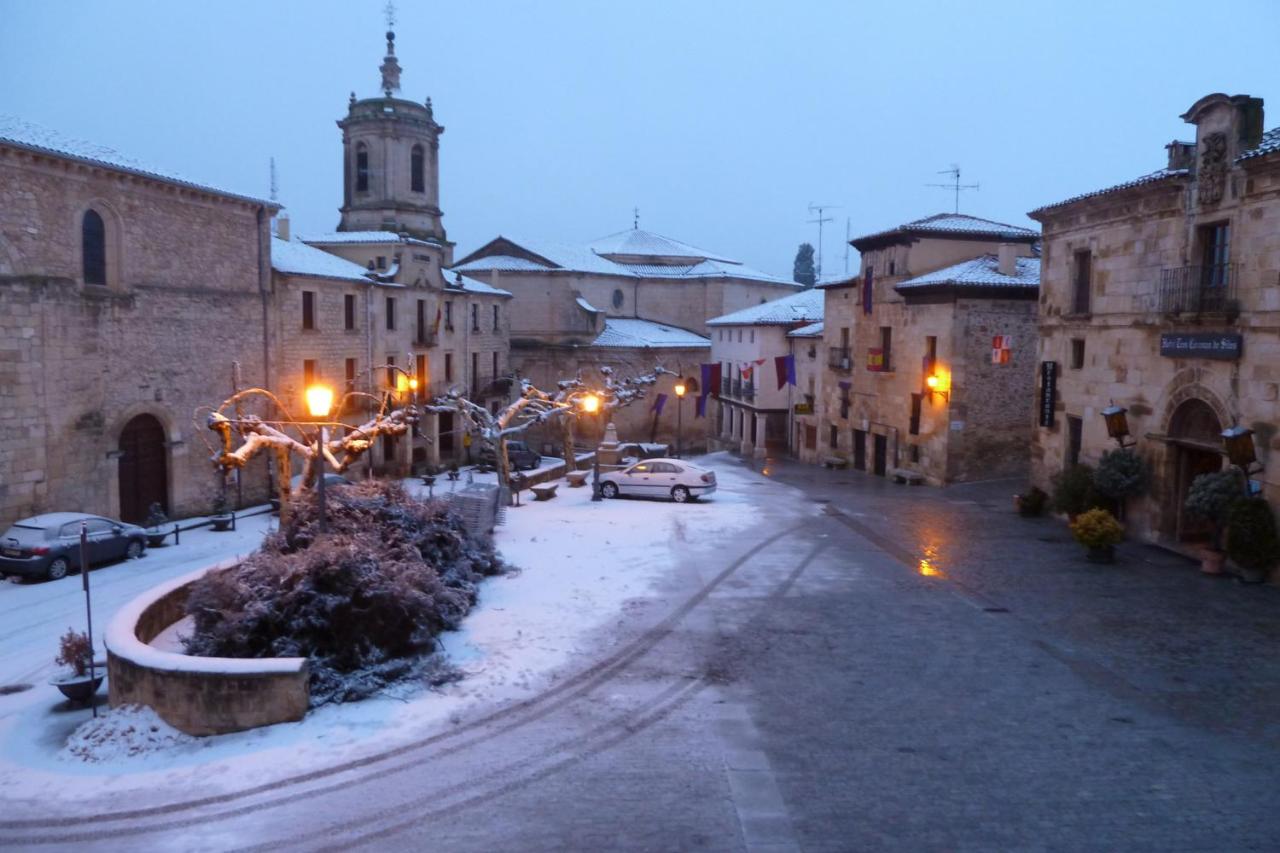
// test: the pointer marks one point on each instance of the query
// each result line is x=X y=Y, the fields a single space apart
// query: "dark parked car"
x=48 y=546
x=518 y=454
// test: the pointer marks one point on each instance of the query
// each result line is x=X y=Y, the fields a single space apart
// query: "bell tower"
x=391 y=163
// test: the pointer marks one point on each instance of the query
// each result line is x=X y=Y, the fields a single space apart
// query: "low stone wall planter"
x=197 y=695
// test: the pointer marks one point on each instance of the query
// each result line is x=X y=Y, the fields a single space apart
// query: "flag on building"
x=701 y=411
x=785 y=366
x=658 y=403
x=711 y=379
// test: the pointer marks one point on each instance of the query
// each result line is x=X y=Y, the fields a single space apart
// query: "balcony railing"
x=839 y=358
x=1209 y=289
x=737 y=388
x=425 y=338
x=726 y=386
x=748 y=392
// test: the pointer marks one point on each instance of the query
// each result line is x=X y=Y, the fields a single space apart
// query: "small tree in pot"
x=1074 y=491
x=1098 y=531
x=221 y=513
x=1122 y=474
x=1252 y=540
x=1210 y=498
x=156 y=520
x=76 y=652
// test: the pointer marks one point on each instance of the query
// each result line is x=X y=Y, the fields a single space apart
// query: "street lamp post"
x=319 y=403
x=680 y=389
x=591 y=404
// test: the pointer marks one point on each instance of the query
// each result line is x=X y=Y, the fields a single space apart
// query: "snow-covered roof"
x=640 y=243
x=342 y=237
x=300 y=259
x=709 y=268
x=587 y=306
x=813 y=330
x=1158 y=175
x=633 y=333
x=952 y=224
x=1269 y=145
x=475 y=285
x=983 y=271
x=34 y=137
x=803 y=307
x=502 y=263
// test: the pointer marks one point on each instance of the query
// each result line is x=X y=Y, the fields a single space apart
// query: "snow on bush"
x=362 y=602
x=122 y=733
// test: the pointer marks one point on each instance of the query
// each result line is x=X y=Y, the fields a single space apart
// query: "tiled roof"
x=802 y=307
x=1158 y=175
x=588 y=307
x=474 y=285
x=813 y=330
x=301 y=259
x=955 y=224
x=638 y=242
x=502 y=263
x=35 y=137
x=627 y=332
x=340 y=237
x=1269 y=145
x=983 y=271
x=706 y=269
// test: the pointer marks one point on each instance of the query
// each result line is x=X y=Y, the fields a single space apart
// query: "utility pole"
x=846 y=249
x=955 y=185
x=820 y=209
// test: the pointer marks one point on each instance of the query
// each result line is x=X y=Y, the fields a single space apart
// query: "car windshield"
x=26 y=534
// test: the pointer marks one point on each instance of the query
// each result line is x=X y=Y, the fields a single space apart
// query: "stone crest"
x=1212 y=173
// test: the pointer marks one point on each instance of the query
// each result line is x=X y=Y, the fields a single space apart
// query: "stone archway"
x=1195 y=438
x=144 y=468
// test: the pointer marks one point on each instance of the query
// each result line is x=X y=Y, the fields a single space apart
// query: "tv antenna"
x=390 y=12
x=955 y=185
x=820 y=209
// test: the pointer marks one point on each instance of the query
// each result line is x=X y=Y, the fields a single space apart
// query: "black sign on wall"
x=1048 y=391
x=1216 y=345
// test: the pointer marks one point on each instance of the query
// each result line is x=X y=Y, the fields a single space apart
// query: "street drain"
x=6 y=689
x=996 y=609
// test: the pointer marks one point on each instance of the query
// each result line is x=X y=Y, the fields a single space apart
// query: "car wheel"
x=609 y=490
x=57 y=569
x=134 y=551
x=680 y=494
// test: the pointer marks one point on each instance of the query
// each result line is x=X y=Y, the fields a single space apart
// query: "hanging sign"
x=1223 y=347
x=1048 y=391
x=804 y=408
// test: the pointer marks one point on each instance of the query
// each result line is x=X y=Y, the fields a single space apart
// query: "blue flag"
x=658 y=403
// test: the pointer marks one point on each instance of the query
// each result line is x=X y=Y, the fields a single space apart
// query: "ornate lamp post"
x=319 y=403
x=680 y=389
x=1238 y=442
x=591 y=405
x=1118 y=425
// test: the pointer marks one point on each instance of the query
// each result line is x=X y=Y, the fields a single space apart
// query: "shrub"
x=363 y=603
x=1097 y=528
x=75 y=651
x=1210 y=497
x=156 y=516
x=1073 y=490
x=1032 y=502
x=1121 y=474
x=1252 y=542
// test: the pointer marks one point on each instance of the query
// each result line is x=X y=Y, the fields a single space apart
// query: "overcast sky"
x=721 y=121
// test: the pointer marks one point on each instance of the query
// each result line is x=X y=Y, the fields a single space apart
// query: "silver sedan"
x=675 y=479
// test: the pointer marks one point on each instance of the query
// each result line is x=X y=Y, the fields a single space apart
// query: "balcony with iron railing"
x=839 y=358
x=1191 y=290
x=748 y=392
x=726 y=386
x=425 y=337
x=737 y=388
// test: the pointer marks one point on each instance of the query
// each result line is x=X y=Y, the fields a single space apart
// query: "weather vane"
x=390 y=11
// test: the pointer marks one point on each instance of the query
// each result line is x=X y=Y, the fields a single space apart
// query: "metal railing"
x=1208 y=289
x=737 y=388
x=748 y=391
x=726 y=386
x=425 y=338
x=839 y=358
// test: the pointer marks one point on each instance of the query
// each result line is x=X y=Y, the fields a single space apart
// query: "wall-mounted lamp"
x=1238 y=442
x=936 y=384
x=1118 y=425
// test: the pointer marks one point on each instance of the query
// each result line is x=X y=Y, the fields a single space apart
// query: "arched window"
x=93 y=241
x=417 y=182
x=362 y=168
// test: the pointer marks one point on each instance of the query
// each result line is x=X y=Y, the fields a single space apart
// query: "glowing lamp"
x=319 y=400
x=590 y=404
x=933 y=382
x=936 y=383
x=1239 y=444
x=680 y=388
x=413 y=384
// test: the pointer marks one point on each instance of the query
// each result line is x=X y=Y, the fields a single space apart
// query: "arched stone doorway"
x=144 y=468
x=1195 y=438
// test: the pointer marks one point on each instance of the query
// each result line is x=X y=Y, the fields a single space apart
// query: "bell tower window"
x=417 y=183
x=362 y=168
x=93 y=239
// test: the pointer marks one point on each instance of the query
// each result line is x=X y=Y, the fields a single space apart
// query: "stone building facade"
x=1162 y=295
x=951 y=297
x=753 y=415
x=806 y=347
x=116 y=326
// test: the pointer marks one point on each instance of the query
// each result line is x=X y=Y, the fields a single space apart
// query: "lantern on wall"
x=1117 y=424
x=1238 y=442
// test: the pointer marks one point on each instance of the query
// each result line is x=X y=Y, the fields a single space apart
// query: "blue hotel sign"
x=1215 y=345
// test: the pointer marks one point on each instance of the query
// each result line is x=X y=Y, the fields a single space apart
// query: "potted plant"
x=1121 y=474
x=76 y=652
x=1098 y=530
x=1074 y=492
x=1253 y=543
x=222 y=517
x=156 y=519
x=1031 y=503
x=453 y=471
x=1210 y=497
x=429 y=475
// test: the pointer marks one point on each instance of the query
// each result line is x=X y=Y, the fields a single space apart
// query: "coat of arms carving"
x=1212 y=174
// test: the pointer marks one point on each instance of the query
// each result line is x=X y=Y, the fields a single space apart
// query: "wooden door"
x=882 y=454
x=144 y=469
x=859 y=450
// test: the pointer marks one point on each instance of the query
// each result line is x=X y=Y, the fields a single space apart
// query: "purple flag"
x=785 y=367
x=702 y=407
x=658 y=403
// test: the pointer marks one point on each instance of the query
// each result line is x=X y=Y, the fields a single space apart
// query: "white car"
x=659 y=478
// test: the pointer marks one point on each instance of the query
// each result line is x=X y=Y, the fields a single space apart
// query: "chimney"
x=282 y=226
x=1008 y=259
x=1182 y=155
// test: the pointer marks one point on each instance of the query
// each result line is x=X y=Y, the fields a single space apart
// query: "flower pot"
x=79 y=688
x=1101 y=554
x=1212 y=562
x=428 y=480
x=221 y=522
x=155 y=540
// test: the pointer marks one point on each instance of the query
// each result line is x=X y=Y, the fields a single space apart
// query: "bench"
x=910 y=478
x=835 y=462
x=577 y=478
x=544 y=491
